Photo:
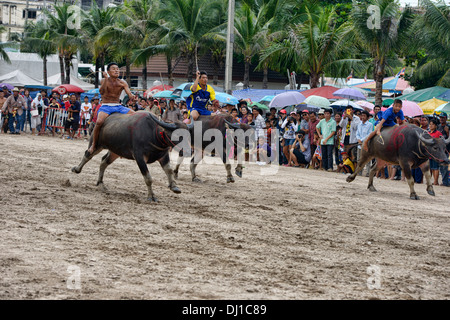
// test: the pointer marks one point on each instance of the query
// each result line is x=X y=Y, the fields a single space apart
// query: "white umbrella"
x=290 y=98
x=317 y=101
x=345 y=103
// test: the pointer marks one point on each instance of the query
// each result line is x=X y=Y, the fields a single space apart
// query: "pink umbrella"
x=365 y=104
x=411 y=109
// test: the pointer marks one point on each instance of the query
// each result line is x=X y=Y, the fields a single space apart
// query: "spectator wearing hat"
x=321 y=114
x=15 y=104
x=156 y=109
x=349 y=124
x=304 y=122
x=365 y=127
x=326 y=130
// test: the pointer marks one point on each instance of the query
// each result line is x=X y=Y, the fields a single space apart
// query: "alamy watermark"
x=74 y=280
x=374 y=281
x=74 y=20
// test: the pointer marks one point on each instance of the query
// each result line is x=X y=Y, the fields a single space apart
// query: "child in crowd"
x=186 y=117
x=316 y=161
x=347 y=165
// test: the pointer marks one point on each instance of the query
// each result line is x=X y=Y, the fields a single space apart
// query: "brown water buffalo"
x=136 y=137
x=221 y=122
x=408 y=146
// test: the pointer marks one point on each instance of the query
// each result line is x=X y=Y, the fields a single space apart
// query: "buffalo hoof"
x=175 y=189
x=431 y=192
x=152 y=199
x=372 y=188
x=238 y=173
x=195 y=179
x=175 y=175
x=350 y=178
x=230 y=179
x=101 y=187
x=414 y=196
x=74 y=169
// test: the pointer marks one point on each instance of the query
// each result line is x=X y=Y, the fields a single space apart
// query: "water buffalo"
x=408 y=146
x=134 y=136
x=222 y=122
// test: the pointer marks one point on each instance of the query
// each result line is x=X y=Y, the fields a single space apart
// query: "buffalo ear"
x=427 y=141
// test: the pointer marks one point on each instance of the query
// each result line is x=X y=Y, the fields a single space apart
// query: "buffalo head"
x=434 y=148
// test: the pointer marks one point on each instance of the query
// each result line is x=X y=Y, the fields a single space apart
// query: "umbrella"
x=342 y=104
x=365 y=104
x=165 y=94
x=388 y=102
x=325 y=92
x=304 y=106
x=67 y=88
x=408 y=90
x=10 y=87
x=289 y=98
x=266 y=99
x=350 y=93
x=429 y=106
x=184 y=90
x=424 y=94
x=411 y=109
x=259 y=105
x=155 y=89
x=445 y=95
x=223 y=97
x=96 y=90
x=317 y=101
x=443 y=108
x=389 y=84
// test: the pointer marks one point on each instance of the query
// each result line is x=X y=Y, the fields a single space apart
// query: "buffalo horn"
x=165 y=125
x=447 y=141
x=425 y=140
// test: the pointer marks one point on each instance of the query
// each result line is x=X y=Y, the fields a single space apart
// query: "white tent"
x=55 y=81
x=19 y=79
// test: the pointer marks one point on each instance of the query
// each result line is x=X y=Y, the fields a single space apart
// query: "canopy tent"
x=444 y=96
x=55 y=81
x=424 y=94
x=19 y=79
x=325 y=92
x=390 y=84
x=429 y=106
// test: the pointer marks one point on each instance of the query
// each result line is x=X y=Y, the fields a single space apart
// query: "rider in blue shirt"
x=201 y=94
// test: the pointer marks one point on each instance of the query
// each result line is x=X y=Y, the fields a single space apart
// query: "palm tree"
x=383 y=42
x=93 y=22
x=195 y=22
x=315 y=46
x=66 y=39
x=37 y=39
x=432 y=30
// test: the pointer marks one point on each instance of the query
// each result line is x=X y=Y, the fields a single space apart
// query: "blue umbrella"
x=444 y=96
x=97 y=90
x=226 y=98
x=165 y=94
x=266 y=99
x=9 y=86
x=184 y=90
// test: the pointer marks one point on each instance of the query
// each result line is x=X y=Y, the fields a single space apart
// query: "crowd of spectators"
x=322 y=140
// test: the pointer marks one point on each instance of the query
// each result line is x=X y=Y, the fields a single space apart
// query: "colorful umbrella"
x=167 y=94
x=324 y=92
x=443 y=108
x=411 y=109
x=388 y=102
x=290 y=98
x=342 y=104
x=389 y=84
x=424 y=94
x=317 y=101
x=226 y=98
x=429 y=106
x=67 y=88
x=350 y=93
x=365 y=104
x=259 y=105
x=9 y=86
x=444 y=96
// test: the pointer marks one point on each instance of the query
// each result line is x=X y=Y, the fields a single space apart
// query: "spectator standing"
x=326 y=129
x=290 y=127
x=172 y=114
x=86 y=108
x=156 y=109
x=444 y=128
x=28 y=100
x=364 y=129
x=73 y=125
x=304 y=122
x=34 y=113
x=15 y=104
x=312 y=124
x=424 y=122
x=338 y=144
x=349 y=124
x=434 y=165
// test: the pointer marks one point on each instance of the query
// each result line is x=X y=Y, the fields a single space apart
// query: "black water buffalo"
x=408 y=146
x=222 y=122
x=136 y=136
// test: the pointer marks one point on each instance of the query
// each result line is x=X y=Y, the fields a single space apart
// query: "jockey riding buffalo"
x=222 y=122
x=408 y=146
x=136 y=137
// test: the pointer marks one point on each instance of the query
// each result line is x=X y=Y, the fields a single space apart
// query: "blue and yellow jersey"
x=198 y=99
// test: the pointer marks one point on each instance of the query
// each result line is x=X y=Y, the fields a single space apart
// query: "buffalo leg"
x=238 y=170
x=426 y=171
x=109 y=158
x=407 y=170
x=147 y=177
x=227 y=167
x=179 y=161
x=87 y=156
x=165 y=164
x=373 y=171
x=194 y=161
x=365 y=158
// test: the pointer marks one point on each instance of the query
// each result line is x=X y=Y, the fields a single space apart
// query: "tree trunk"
x=67 y=69
x=378 y=77
x=144 y=77
x=314 y=80
x=247 y=73
x=97 y=69
x=169 y=70
x=265 y=76
x=127 y=70
x=61 y=68
x=190 y=69
x=44 y=62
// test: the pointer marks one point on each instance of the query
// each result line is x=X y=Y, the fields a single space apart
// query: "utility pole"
x=230 y=41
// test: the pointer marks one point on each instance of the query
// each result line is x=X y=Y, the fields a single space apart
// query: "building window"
x=31 y=14
x=134 y=81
